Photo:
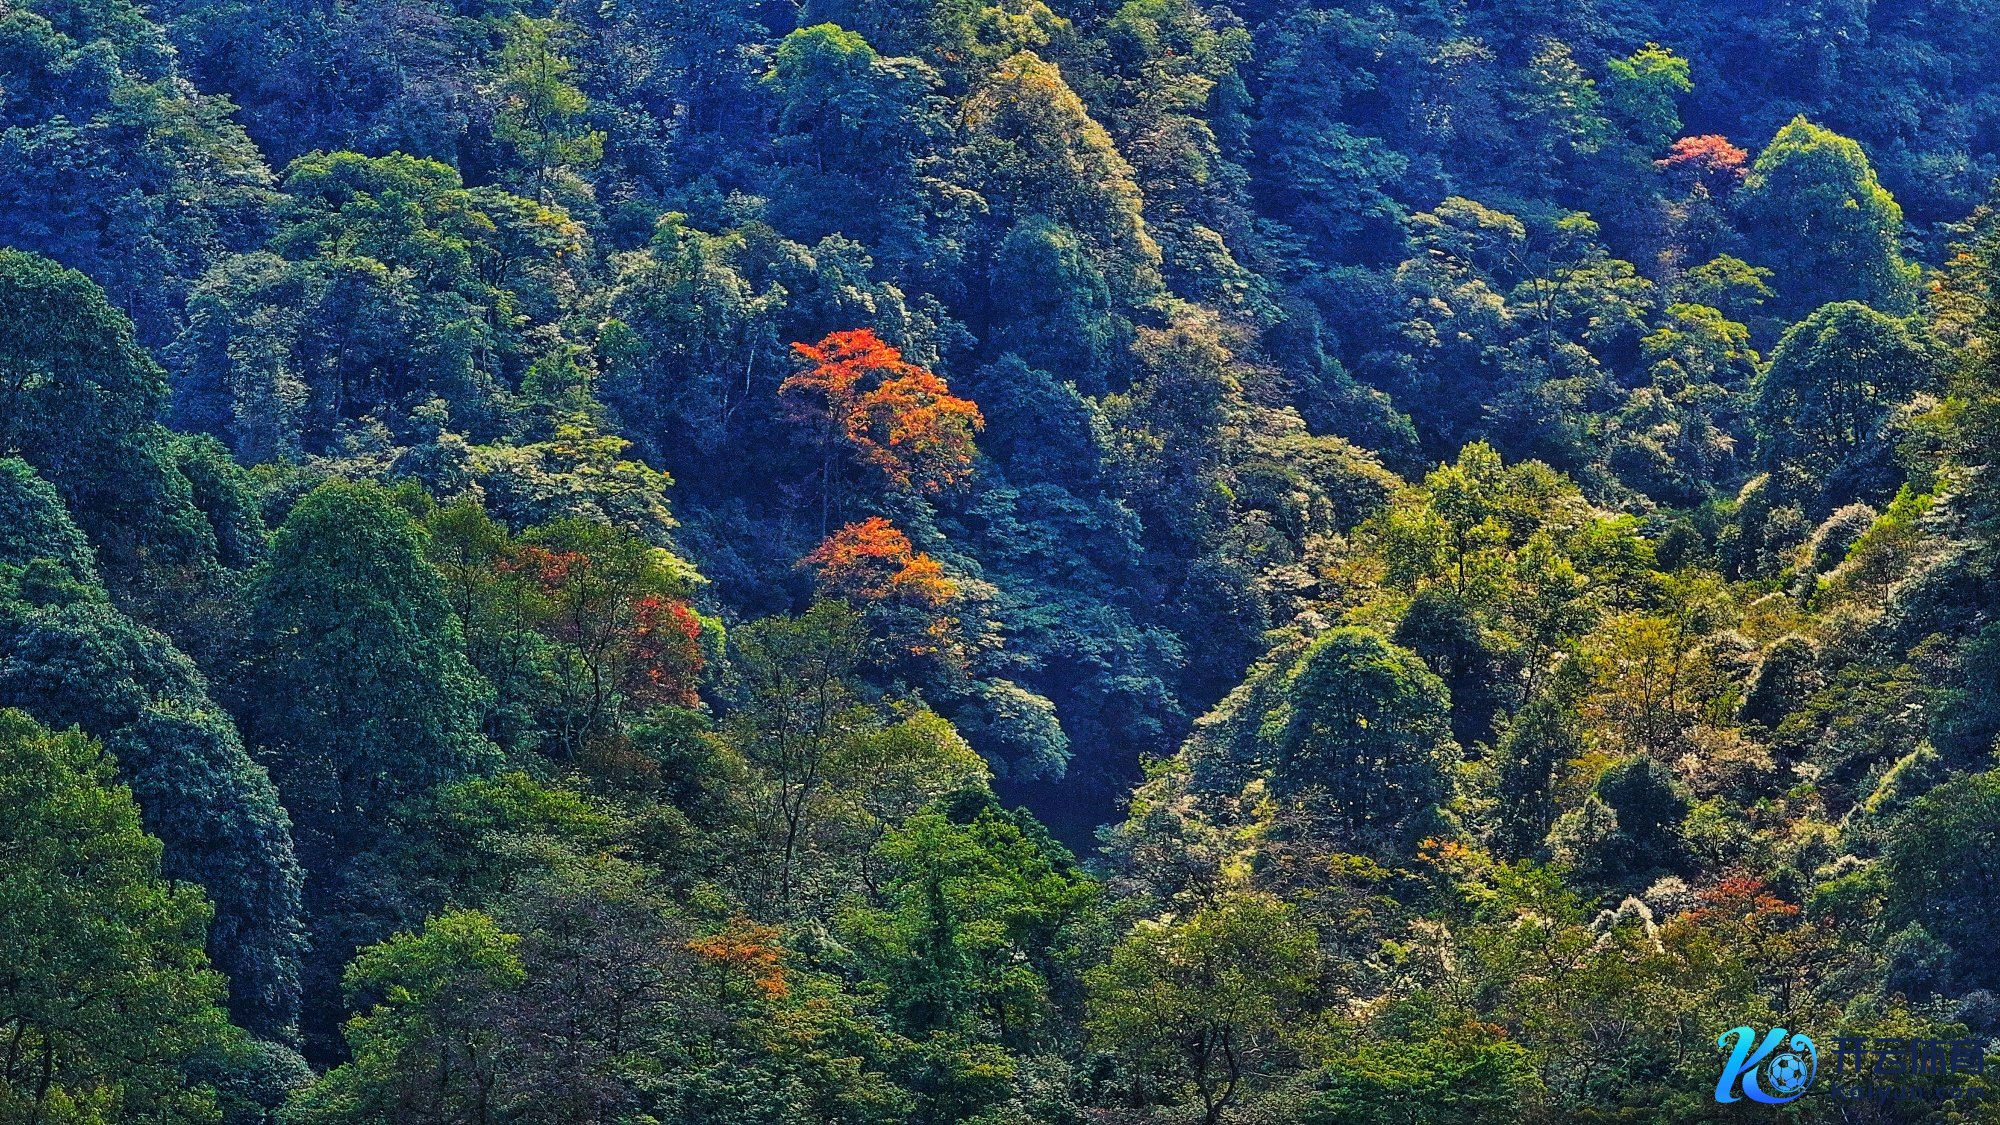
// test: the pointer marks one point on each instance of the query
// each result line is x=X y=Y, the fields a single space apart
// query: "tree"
x=70 y=659
x=1781 y=682
x=113 y=164
x=1965 y=714
x=1639 y=91
x=1657 y=678
x=800 y=710
x=625 y=639
x=1940 y=872
x=887 y=775
x=614 y=986
x=1317 y=163
x=896 y=418
x=1052 y=306
x=1036 y=150
x=1628 y=828
x=1362 y=735
x=76 y=389
x=1815 y=213
x=871 y=560
x=1171 y=87
x=84 y=663
x=963 y=37
x=1708 y=161
x=704 y=45
x=1729 y=284
x=1560 y=111
x=902 y=592
x=1169 y=431
x=541 y=111
x=1457 y=533
x=1446 y=630
x=1820 y=405
x=498 y=604
x=357 y=690
x=1470 y=1074
x=80 y=401
x=104 y=991
x=360 y=690
x=694 y=345
x=388 y=286
x=1541 y=740
x=1465 y=257
x=35 y=527
x=424 y=1045
x=1682 y=439
x=978 y=918
x=1204 y=1003
x=855 y=132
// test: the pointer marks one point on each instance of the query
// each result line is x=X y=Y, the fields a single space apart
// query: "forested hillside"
x=1005 y=562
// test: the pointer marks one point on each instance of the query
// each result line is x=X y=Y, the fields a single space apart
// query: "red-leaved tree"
x=871 y=561
x=1709 y=160
x=857 y=393
x=625 y=638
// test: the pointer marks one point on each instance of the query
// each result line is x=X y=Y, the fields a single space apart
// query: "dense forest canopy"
x=1003 y=562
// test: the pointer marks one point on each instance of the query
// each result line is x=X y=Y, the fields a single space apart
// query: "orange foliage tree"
x=903 y=593
x=895 y=417
x=1709 y=160
x=746 y=951
x=872 y=561
x=1789 y=951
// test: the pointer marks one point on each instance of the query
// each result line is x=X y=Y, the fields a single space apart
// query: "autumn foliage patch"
x=896 y=417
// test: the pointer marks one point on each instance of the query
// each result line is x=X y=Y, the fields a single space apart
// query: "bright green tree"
x=1362 y=735
x=543 y=116
x=1820 y=405
x=1640 y=90
x=424 y=1045
x=979 y=917
x=1815 y=213
x=961 y=37
x=1203 y=1005
x=104 y=990
x=1471 y=1074
x=360 y=691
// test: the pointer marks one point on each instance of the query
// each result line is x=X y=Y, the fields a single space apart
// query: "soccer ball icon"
x=1788 y=1074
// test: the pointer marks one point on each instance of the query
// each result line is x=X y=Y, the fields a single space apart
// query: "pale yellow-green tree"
x=543 y=116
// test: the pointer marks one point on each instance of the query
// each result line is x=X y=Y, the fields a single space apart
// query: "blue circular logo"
x=1774 y=1071
x=1787 y=1075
